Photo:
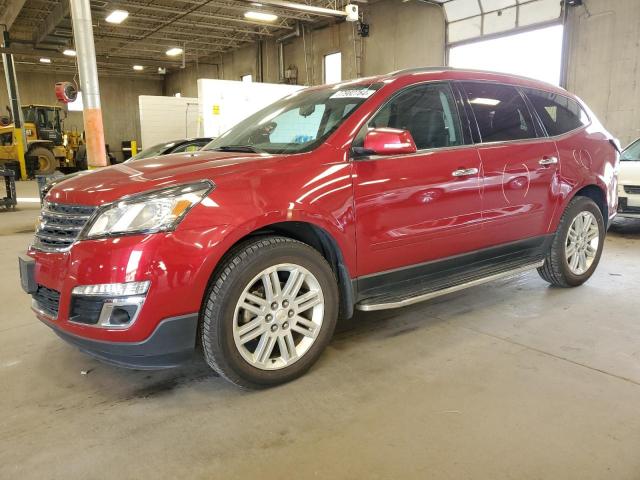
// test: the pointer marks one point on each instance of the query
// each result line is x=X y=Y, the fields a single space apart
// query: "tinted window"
x=427 y=111
x=632 y=152
x=189 y=147
x=559 y=114
x=500 y=111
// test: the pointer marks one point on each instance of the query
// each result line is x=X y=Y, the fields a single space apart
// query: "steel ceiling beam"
x=11 y=11
x=48 y=25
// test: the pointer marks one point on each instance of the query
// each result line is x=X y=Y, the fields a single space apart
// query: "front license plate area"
x=27 y=274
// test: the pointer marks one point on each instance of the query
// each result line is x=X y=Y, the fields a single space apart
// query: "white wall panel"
x=167 y=118
x=224 y=103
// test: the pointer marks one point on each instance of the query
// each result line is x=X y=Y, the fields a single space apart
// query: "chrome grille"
x=632 y=189
x=60 y=225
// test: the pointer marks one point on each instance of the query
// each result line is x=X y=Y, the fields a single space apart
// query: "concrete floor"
x=511 y=380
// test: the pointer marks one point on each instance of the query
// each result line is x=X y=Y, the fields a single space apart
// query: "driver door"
x=418 y=207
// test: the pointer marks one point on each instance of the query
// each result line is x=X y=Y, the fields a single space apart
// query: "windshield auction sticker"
x=360 y=93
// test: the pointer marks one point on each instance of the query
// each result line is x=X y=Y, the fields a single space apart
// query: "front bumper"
x=178 y=267
x=171 y=343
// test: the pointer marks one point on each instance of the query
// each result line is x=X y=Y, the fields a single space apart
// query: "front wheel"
x=269 y=313
x=577 y=245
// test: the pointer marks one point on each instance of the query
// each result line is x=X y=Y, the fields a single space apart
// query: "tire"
x=81 y=158
x=47 y=162
x=284 y=343
x=560 y=268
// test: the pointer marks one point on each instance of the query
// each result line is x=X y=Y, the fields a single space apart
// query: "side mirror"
x=389 y=141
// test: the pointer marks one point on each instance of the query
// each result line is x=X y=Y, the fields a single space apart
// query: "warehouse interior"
x=510 y=379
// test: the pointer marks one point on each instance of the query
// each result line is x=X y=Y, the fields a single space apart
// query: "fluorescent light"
x=117 y=16
x=178 y=95
x=485 y=101
x=69 y=52
x=138 y=68
x=45 y=60
x=162 y=70
x=172 y=52
x=261 y=16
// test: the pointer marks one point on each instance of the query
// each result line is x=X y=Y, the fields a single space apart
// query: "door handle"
x=548 y=161
x=464 y=172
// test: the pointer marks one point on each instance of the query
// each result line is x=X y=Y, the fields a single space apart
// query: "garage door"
x=468 y=20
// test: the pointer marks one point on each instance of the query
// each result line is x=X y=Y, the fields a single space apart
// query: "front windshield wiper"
x=237 y=148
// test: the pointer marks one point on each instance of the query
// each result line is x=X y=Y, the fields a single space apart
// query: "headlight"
x=156 y=211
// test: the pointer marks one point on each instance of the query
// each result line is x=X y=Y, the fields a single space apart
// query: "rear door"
x=413 y=208
x=520 y=164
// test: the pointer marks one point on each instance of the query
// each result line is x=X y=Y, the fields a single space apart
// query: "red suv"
x=369 y=194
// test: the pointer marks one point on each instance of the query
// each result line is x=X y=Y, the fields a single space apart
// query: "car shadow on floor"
x=111 y=385
x=625 y=227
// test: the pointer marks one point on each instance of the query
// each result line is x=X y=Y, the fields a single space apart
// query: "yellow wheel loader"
x=46 y=140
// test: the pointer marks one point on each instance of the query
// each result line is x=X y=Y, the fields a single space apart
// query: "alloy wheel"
x=278 y=316
x=581 y=244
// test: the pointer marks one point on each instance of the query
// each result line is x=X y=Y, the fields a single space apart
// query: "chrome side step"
x=403 y=302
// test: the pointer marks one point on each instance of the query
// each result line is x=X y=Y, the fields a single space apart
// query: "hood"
x=111 y=183
x=629 y=172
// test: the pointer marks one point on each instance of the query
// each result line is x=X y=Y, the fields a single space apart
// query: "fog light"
x=119 y=316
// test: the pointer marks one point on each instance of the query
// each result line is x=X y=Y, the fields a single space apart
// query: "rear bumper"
x=171 y=343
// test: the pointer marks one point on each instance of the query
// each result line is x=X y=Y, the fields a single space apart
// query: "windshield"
x=153 y=151
x=298 y=123
x=632 y=152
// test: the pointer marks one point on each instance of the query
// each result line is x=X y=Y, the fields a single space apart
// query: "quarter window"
x=500 y=111
x=427 y=111
x=559 y=114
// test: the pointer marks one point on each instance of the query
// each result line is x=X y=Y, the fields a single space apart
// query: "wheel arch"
x=595 y=193
x=317 y=238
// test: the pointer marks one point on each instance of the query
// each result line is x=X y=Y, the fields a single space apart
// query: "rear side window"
x=500 y=111
x=427 y=111
x=559 y=114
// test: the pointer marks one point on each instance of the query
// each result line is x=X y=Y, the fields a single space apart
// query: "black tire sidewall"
x=38 y=151
x=579 y=205
x=224 y=349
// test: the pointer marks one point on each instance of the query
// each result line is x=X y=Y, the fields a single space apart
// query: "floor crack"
x=553 y=355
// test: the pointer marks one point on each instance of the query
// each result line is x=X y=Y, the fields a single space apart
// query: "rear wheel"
x=577 y=245
x=47 y=162
x=269 y=313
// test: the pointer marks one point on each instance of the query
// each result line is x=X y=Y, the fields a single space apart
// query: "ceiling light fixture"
x=45 y=60
x=492 y=102
x=261 y=16
x=69 y=52
x=138 y=68
x=175 y=51
x=117 y=16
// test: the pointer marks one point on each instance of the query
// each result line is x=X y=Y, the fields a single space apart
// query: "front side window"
x=427 y=111
x=500 y=111
x=632 y=152
x=297 y=123
x=559 y=114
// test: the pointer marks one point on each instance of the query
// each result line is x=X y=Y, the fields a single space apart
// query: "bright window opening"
x=76 y=105
x=536 y=54
x=333 y=68
x=246 y=78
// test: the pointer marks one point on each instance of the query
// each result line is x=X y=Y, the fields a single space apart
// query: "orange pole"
x=88 y=70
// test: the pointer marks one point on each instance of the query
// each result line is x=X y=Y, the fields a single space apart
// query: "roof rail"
x=420 y=70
